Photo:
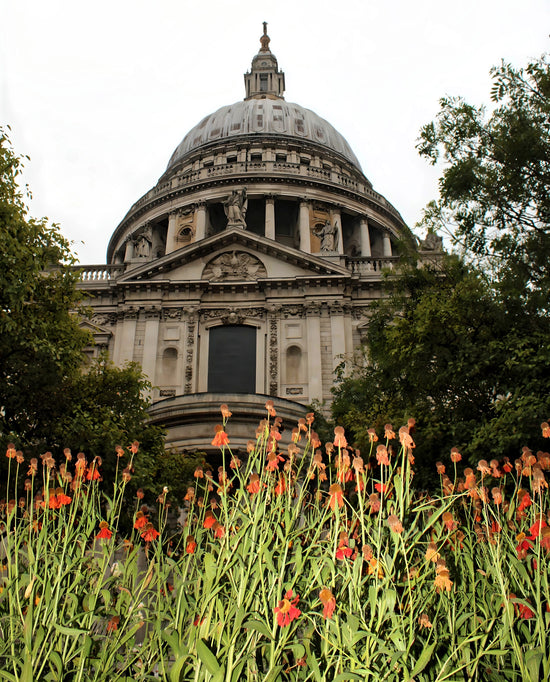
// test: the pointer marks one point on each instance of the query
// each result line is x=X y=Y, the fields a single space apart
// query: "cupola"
x=264 y=80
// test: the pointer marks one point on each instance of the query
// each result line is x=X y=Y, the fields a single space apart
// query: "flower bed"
x=316 y=563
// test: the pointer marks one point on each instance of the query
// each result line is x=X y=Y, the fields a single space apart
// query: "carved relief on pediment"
x=234 y=266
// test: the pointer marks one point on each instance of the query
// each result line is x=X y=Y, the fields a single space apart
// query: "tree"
x=494 y=200
x=40 y=340
x=465 y=349
x=443 y=349
x=46 y=401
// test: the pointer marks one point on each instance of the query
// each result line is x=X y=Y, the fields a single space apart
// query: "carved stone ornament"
x=171 y=313
x=234 y=266
x=226 y=315
x=104 y=320
x=293 y=311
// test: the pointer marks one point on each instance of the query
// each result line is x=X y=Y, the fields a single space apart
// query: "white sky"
x=100 y=94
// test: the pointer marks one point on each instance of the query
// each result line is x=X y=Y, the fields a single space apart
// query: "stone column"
x=171 y=233
x=338 y=333
x=314 y=367
x=387 y=244
x=303 y=226
x=150 y=343
x=200 y=221
x=364 y=236
x=336 y=220
x=270 y=216
x=129 y=250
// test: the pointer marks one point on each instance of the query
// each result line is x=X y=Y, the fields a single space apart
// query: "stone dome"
x=263 y=117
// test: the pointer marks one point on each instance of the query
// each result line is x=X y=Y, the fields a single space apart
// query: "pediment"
x=235 y=255
x=100 y=332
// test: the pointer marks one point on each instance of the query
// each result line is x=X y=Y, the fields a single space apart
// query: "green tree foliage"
x=494 y=198
x=40 y=340
x=464 y=349
x=443 y=350
x=46 y=401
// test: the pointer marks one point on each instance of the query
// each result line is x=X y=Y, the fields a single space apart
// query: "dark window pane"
x=232 y=359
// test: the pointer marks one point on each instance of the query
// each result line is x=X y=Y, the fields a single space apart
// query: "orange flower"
x=270 y=408
x=253 y=486
x=134 y=447
x=440 y=467
x=395 y=524
x=442 y=581
x=371 y=433
x=424 y=621
x=113 y=624
x=455 y=455
x=545 y=430
x=219 y=530
x=382 y=455
x=273 y=460
x=225 y=411
x=389 y=433
x=141 y=520
x=381 y=487
x=497 y=495
x=221 y=438
x=448 y=520
x=209 y=520
x=336 y=496
x=286 y=611
x=328 y=601
x=104 y=533
x=10 y=451
x=374 y=503
x=545 y=538
x=339 y=437
x=190 y=545
x=431 y=553
x=149 y=533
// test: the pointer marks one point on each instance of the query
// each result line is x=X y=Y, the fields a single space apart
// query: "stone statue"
x=433 y=242
x=235 y=208
x=142 y=247
x=328 y=234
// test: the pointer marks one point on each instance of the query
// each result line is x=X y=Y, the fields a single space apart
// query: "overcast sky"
x=100 y=94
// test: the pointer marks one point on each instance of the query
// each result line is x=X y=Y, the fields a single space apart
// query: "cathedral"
x=247 y=272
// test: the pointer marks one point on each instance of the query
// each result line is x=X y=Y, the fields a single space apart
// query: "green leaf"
x=258 y=626
x=533 y=658
x=423 y=659
x=207 y=657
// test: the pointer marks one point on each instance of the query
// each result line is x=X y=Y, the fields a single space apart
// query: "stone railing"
x=272 y=168
x=98 y=273
x=370 y=266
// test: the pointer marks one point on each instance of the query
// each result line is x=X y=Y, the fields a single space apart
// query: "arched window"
x=293 y=365
x=232 y=359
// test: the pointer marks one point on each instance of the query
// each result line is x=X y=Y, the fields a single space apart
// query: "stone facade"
x=254 y=260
